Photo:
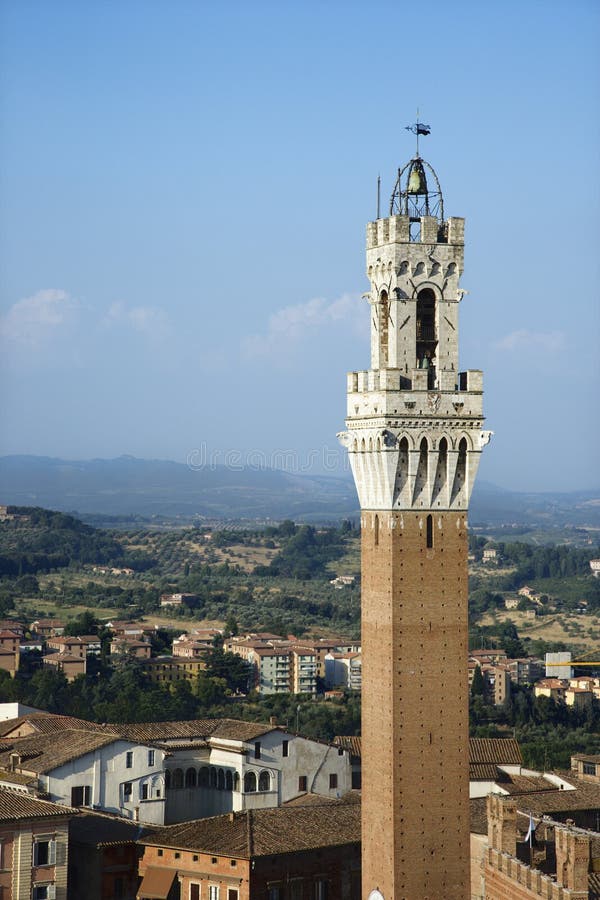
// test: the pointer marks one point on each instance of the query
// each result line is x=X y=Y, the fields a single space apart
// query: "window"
x=194 y=892
x=81 y=795
x=249 y=782
x=274 y=892
x=257 y=750
x=232 y=894
x=190 y=778
x=127 y=791
x=177 y=778
x=144 y=791
x=129 y=759
x=264 y=781
x=151 y=757
x=160 y=851
x=203 y=776
x=321 y=889
x=44 y=852
x=333 y=782
x=228 y=781
x=589 y=768
x=221 y=780
x=429 y=532
x=296 y=891
x=302 y=783
x=285 y=748
x=213 y=892
x=43 y=892
x=118 y=892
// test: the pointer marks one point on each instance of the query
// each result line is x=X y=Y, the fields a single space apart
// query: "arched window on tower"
x=426 y=334
x=384 y=318
x=376 y=531
x=249 y=782
x=429 y=529
x=460 y=476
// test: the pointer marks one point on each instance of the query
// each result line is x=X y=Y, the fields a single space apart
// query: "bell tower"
x=414 y=436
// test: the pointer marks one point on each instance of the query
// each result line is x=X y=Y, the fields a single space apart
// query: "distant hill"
x=127 y=486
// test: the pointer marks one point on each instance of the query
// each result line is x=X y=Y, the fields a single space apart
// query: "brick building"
x=560 y=862
x=33 y=847
x=307 y=852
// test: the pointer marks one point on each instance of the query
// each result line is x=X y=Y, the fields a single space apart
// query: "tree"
x=49 y=690
x=230 y=667
x=86 y=623
x=231 y=625
x=478 y=683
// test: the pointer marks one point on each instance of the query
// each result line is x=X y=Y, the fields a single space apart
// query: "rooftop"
x=16 y=805
x=265 y=832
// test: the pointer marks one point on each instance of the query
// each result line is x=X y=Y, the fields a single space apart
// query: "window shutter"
x=51 y=892
x=60 y=853
x=52 y=853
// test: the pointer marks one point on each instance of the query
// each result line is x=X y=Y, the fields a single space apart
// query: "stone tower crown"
x=414 y=419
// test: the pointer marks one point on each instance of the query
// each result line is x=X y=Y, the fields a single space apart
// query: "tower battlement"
x=396 y=229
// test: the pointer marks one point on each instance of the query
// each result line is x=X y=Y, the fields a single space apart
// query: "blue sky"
x=185 y=190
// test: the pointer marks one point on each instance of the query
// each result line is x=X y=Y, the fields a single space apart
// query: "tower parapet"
x=414 y=409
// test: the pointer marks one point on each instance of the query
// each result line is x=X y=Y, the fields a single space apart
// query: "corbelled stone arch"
x=439 y=495
x=460 y=475
x=422 y=471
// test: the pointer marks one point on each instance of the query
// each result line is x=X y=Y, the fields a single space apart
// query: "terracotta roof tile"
x=228 y=729
x=501 y=751
x=349 y=742
x=41 y=753
x=17 y=805
x=264 y=832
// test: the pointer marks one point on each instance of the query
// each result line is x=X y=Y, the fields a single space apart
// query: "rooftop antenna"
x=378 y=194
x=417 y=129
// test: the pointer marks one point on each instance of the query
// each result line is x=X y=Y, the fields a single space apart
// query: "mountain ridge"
x=129 y=485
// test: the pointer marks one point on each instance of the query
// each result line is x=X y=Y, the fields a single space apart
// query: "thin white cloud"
x=35 y=320
x=293 y=323
x=147 y=320
x=523 y=339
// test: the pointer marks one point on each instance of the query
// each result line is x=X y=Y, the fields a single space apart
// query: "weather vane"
x=417 y=129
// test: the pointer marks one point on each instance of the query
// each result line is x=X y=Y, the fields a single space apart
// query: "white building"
x=343 y=670
x=167 y=772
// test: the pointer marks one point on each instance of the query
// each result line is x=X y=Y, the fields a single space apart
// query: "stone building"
x=414 y=436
